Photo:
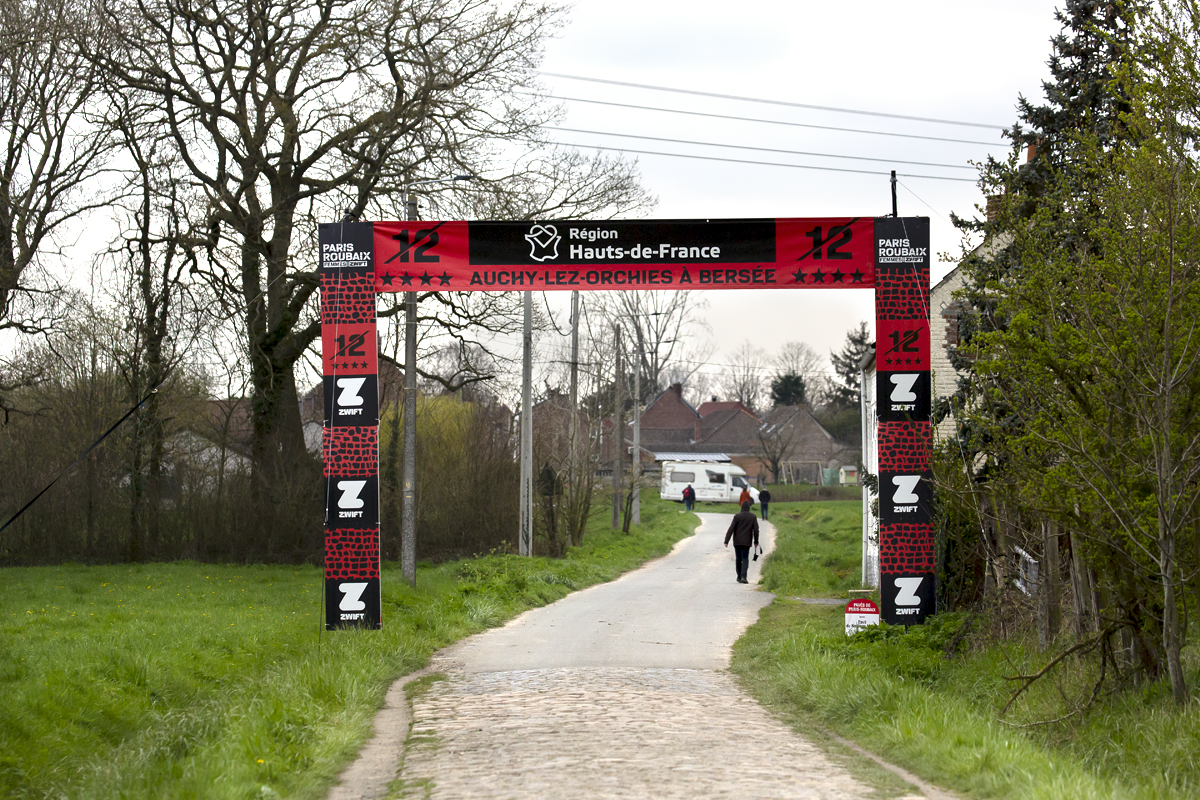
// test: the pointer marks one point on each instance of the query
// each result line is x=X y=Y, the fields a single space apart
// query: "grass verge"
x=900 y=695
x=188 y=680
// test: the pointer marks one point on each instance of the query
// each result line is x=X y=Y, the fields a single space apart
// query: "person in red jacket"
x=744 y=532
x=745 y=498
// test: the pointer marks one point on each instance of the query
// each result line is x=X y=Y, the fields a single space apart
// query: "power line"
x=765 y=149
x=762 y=163
x=777 y=102
x=931 y=208
x=769 y=121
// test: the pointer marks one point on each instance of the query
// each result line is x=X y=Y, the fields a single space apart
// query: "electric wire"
x=763 y=163
x=768 y=101
x=914 y=194
x=768 y=121
x=764 y=149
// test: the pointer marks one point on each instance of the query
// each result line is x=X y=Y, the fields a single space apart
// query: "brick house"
x=728 y=431
x=792 y=435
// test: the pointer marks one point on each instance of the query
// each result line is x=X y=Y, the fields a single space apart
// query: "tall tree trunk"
x=1049 y=596
x=1081 y=588
x=1172 y=641
x=136 y=493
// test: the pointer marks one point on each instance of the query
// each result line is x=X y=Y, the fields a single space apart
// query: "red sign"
x=812 y=253
x=860 y=614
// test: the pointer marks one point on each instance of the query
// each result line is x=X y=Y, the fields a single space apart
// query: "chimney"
x=697 y=432
x=677 y=388
x=714 y=399
x=992 y=210
x=1031 y=152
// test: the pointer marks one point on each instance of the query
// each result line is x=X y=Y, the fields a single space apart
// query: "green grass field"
x=812 y=557
x=900 y=695
x=197 y=681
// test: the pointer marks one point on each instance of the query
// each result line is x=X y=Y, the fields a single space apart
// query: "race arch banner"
x=887 y=254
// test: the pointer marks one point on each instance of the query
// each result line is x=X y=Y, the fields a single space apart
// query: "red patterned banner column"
x=349 y=357
x=906 y=552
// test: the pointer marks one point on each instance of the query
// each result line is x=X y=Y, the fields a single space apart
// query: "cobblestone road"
x=608 y=733
x=617 y=691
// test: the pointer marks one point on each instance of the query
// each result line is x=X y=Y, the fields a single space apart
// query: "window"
x=739 y=482
x=715 y=477
x=683 y=477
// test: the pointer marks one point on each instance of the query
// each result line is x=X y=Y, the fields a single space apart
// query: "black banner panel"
x=350 y=436
x=660 y=242
x=352 y=502
x=352 y=602
x=351 y=400
x=905 y=498
x=908 y=597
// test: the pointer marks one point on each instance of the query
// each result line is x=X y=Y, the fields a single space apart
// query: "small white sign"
x=860 y=614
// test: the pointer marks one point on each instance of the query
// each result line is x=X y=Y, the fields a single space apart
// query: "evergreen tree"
x=844 y=391
x=788 y=390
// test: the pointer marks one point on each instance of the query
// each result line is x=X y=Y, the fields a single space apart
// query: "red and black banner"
x=350 y=442
x=890 y=255
x=906 y=558
x=816 y=253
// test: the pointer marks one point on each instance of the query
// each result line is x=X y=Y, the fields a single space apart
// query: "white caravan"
x=714 y=483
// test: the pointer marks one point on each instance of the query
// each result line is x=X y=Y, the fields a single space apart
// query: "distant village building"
x=726 y=431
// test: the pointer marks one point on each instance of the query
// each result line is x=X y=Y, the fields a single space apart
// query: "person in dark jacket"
x=744 y=532
x=689 y=498
x=764 y=497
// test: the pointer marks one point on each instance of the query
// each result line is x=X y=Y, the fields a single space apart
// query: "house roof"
x=696 y=457
x=720 y=405
x=782 y=416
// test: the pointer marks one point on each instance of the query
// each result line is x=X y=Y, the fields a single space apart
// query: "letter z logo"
x=906 y=591
x=350 y=391
x=903 y=388
x=350 y=490
x=906 y=489
x=351 y=594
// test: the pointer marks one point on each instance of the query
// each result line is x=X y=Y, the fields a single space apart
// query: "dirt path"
x=617 y=691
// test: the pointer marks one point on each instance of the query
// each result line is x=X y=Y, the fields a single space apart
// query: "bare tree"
x=153 y=254
x=777 y=438
x=745 y=379
x=656 y=326
x=798 y=358
x=56 y=144
x=288 y=111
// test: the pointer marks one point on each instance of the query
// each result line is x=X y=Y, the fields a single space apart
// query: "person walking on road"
x=689 y=498
x=745 y=498
x=744 y=532
x=764 y=497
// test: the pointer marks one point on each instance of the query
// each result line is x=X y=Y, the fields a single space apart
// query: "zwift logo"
x=543 y=242
x=350 y=391
x=906 y=489
x=351 y=596
x=902 y=391
x=906 y=591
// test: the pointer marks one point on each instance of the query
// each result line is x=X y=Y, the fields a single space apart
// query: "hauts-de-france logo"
x=543 y=242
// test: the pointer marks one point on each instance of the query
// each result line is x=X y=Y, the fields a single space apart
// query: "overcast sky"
x=962 y=60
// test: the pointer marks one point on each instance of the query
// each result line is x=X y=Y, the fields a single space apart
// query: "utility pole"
x=408 y=525
x=618 y=435
x=894 y=214
x=637 y=435
x=526 y=531
x=573 y=407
